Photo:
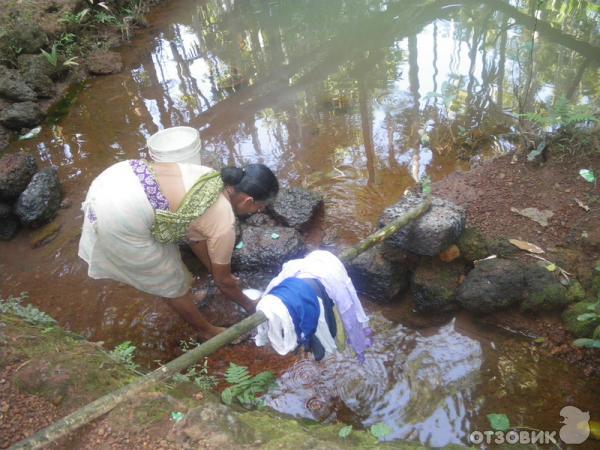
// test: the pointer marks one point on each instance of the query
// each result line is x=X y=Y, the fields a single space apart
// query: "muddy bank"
x=46 y=373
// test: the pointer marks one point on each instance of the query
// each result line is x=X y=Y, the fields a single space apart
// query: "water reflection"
x=412 y=383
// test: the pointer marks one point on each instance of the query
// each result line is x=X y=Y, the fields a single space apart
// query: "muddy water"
x=359 y=100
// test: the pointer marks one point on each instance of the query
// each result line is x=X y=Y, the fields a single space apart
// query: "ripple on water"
x=414 y=384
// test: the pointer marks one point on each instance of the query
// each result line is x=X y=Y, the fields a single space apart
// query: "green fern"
x=244 y=388
x=562 y=114
x=12 y=305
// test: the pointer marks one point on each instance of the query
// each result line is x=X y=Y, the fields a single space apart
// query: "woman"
x=136 y=212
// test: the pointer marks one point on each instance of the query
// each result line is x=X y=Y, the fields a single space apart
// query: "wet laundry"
x=335 y=287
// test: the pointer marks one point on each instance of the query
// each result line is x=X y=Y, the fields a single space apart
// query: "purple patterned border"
x=155 y=196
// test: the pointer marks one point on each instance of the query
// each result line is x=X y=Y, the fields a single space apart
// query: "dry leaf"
x=539 y=216
x=527 y=246
x=582 y=205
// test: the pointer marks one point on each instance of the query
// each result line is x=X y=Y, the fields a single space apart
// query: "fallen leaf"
x=450 y=254
x=582 y=205
x=551 y=267
x=527 y=246
x=588 y=175
x=539 y=216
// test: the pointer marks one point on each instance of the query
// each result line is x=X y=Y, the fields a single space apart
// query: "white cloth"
x=278 y=330
x=119 y=244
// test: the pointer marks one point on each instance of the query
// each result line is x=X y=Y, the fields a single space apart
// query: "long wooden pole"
x=106 y=403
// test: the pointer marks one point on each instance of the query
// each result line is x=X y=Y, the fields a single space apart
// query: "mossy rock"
x=575 y=292
x=580 y=328
x=596 y=334
x=596 y=285
x=502 y=248
x=544 y=291
x=473 y=245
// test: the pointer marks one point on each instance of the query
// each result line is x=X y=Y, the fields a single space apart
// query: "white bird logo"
x=576 y=428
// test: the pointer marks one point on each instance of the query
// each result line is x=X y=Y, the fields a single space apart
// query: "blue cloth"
x=302 y=303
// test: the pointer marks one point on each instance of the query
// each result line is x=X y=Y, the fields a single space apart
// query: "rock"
x=502 y=248
x=16 y=171
x=102 y=62
x=580 y=328
x=575 y=292
x=376 y=277
x=28 y=36
x=544 y=291
x=38 y=65
x=9 y=223
x=434 y=285
x=431 y=233
x=473 y=245
x=41 y=200
x=21 y=115
x=13 y=86
x=492 y=285
x=295 y=207
x=596 y=334
x=259 y=220
x=5 y=136
x=261 y=251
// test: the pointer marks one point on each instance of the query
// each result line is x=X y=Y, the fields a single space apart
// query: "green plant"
x=563 y=114
x=32 y=315
x=196 y=374
x=380 y=430
x=52 y=57
x=345 y=431
x=123 y=353
x=245 y=387
x=593 y=314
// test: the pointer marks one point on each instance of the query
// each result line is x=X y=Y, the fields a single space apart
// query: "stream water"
x=358 y=99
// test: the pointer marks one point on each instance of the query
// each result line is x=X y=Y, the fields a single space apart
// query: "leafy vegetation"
x=124 y=353
x=32 y=315
x=197 y=374
x=245 y=387
x=592 y=314
x=562 y=114
x=380 y=430
x=345 y=431
x=499 y=422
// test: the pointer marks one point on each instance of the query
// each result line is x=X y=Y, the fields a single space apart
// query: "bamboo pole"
x=106 y=403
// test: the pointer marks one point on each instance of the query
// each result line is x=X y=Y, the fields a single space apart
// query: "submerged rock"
x=295 y=207
x=41 y=200
x=434 y=285
x=259 y=220
x=492 y=285
x=581 y=328
x=14 y=87
x=376 y=277
x=266 y=248
x=431 y=233
x=21 y=115
x=102 y=62
x=16 y=171
x=9 y=222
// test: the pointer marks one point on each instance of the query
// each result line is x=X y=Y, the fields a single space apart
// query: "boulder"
x=38 y=65
x=492 y=285
x=376 y=277
x=266 y=248
x=473 y=245
x=102 y=62
x=16 y=171
x=13 y=86
x=295 y=207
x=41 y=200
x=27 y=36
x=581 y=328
x=434 y=285
x=544 y=291
x=5 y=136
x=9 y=223
x=21 y=115
x=431 y=233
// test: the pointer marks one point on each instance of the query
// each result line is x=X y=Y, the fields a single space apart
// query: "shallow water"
x=359 y=100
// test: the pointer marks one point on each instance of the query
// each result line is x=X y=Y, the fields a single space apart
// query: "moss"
x=552 y=297
x=579 y=328
x=575 y=292
x=596 y=286
x=472 y=245
x=596 y=334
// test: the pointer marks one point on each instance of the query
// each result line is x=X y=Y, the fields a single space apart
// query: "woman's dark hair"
x=255 y=180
